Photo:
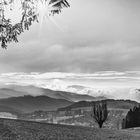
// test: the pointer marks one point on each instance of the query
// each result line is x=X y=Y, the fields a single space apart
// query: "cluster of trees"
x=9 y=32
x=100 y=114
x=132 y=118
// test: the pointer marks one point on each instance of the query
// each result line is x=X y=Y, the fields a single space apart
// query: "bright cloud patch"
x=98 y=79
x=111 y=84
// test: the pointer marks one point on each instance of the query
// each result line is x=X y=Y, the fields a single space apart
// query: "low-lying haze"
x=110 y=84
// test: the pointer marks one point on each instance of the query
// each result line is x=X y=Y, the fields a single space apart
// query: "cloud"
x=60 y=58
x=111 y=84
x=98 y=35
x=110 y=78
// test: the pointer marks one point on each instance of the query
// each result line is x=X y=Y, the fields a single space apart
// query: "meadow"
x=27 y=130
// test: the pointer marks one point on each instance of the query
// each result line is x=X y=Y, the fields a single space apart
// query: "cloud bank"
x=111 y=84
x=102 y=78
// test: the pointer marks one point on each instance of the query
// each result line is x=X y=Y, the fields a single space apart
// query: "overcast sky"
x=92 y=35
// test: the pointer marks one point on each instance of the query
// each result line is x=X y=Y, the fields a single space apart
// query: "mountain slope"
x=75 y=97
x=32 y=90
x=6 y=93
x=30 y=103
x=120 y=104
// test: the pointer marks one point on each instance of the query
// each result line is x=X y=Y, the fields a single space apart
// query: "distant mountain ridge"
x=24 y=99
x=25 y=104
x=35 y=91
x=7 y=92
x=111 y=103
x=79 y=91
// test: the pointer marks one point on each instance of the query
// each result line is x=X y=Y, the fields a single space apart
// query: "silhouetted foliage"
x=9 y=32
x=132 y=118
x=100 y=112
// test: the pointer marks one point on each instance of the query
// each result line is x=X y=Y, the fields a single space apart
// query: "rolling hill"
x=26 y=130
x=32 y=90
x=25 y=104
x=7 y=92
x=111 y=103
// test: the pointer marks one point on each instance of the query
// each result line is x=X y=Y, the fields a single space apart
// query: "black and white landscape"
x=67 y=99
x=69 y=70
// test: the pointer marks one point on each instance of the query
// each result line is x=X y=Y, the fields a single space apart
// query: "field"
x=25 y=130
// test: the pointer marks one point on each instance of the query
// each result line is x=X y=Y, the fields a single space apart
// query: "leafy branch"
x=9 y=32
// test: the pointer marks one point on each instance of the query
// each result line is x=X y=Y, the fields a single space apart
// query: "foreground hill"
x=25 y=130
x=25 y=104
x=120 y=104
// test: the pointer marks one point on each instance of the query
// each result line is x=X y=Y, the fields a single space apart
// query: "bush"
x=132 y=118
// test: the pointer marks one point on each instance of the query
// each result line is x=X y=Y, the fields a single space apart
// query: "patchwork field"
x=24 y=130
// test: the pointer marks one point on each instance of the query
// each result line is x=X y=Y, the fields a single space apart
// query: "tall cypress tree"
x=100 y=112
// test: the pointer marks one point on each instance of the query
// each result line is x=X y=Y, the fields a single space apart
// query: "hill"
x=25 y=104
x=111 y=103
x=32 y=90
x=7 y=92
x=25 y=130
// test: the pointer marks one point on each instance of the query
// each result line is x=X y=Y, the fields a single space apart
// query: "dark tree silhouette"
x=9 y=32
x=100 y=112
x=132 y=118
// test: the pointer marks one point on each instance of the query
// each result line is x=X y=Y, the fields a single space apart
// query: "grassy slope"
x=111 y=103
x=23 y=130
